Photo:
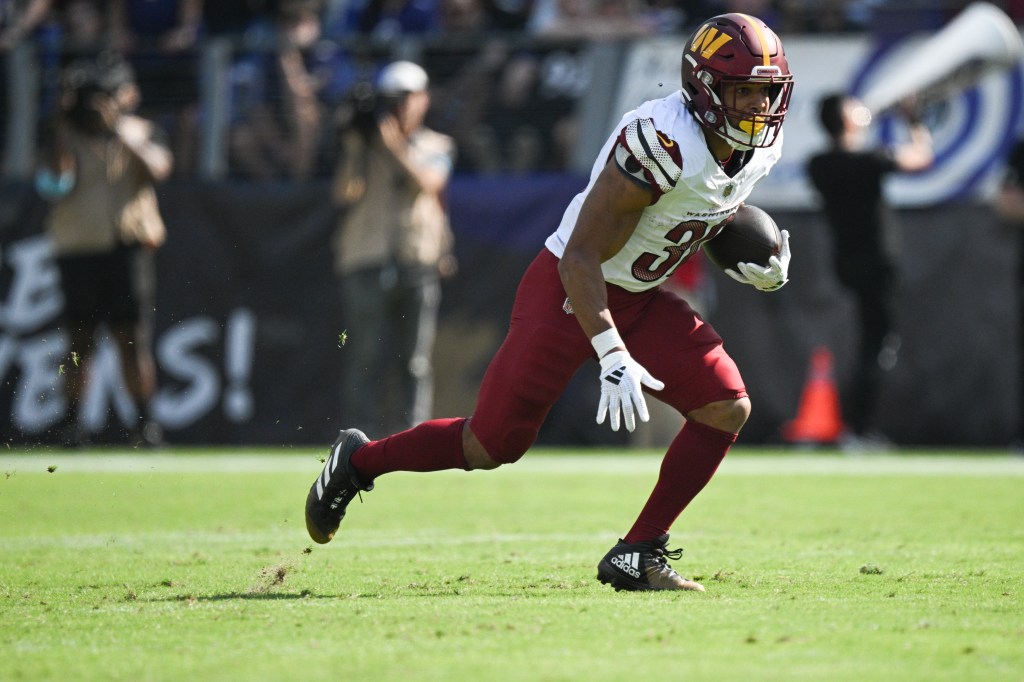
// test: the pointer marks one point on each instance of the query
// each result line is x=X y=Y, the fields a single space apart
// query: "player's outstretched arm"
x=607 y=219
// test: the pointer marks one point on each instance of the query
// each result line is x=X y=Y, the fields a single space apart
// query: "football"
x=750 y=237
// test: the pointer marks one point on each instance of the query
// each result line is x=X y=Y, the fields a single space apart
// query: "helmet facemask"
x=749 y=130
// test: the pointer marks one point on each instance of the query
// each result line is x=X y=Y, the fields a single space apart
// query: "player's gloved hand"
x=621 y=380
x=765 y=278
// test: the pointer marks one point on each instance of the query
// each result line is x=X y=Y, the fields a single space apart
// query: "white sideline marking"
x=735 y=464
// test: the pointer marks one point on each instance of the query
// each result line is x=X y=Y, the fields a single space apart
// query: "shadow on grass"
x=243 y=596
x=407 y=592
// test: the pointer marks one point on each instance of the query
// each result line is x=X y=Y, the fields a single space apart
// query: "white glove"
x=769 y=278
x=621 y=377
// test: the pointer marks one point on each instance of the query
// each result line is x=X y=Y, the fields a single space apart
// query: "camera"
x=84 y=85
x=363 y=107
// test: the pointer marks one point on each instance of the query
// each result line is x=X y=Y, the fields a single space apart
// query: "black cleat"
x=335 y=487
x=643 y=566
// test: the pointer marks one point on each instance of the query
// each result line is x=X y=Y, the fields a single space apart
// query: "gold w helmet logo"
x=708 y=41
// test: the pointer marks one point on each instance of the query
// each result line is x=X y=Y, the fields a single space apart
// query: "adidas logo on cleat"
x=343 y=498
x=643 y=566
x=627 y=563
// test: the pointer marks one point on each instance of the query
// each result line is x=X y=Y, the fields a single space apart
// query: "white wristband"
x=607 y=341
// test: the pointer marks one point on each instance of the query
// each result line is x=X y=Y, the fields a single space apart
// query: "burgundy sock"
x=431 y=446
x=691 y=461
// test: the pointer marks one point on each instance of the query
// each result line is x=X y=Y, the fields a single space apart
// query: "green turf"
x=196 y=566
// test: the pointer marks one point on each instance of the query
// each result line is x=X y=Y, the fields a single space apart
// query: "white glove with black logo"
x=621 y=380
x=765 y=278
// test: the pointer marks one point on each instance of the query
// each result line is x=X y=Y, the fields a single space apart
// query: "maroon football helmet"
x=736 y=48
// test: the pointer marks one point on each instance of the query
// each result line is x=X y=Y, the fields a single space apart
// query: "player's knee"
x=481 y=461
x=514 y=445
x=475 y=453
x=478 y=457
x=741 y=413
x=724 y=415
x=511 y=448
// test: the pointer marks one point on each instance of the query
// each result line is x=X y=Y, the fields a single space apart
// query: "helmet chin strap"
x=731 y=140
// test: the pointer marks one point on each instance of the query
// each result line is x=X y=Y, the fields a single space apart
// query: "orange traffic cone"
x=818 y=419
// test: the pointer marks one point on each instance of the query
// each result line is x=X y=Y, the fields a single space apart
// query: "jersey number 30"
x=650 y=267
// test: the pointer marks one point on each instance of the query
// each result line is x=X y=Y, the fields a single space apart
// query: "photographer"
x=100 y=167
x=392 y=247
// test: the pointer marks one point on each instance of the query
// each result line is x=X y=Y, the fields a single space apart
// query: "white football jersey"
x=662 y=146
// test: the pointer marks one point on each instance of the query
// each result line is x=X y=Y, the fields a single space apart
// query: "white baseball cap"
x=401 y=77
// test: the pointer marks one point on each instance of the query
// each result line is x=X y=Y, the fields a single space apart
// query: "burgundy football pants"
x=545 y=346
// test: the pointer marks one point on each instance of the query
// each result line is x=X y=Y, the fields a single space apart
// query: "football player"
x=665 y=181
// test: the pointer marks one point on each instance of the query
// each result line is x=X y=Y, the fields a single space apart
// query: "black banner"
x=248 y=321
x=248 y=318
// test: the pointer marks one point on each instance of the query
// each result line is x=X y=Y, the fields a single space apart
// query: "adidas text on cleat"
x=335 y=487
x=643 y=566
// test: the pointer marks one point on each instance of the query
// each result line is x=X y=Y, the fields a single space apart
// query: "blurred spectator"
x=19 y=18
x=508 y=15
x=510 y=109
x=849 y=177
x=464 y=64
x=169 y=26
x=160 y=38
x=392 y=247
x=233 y=18
x=510 y=138
x=387 y=20
x=461 y=102
x=462 y=17
x=278 y=117
x=105 y=225
x=62 y=31
x=339 y=17
x=530 y=120
x=84 y=28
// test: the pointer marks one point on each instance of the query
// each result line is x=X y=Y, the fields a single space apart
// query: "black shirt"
x=850 y=184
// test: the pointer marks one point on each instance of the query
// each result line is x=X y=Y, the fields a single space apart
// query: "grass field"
x=195 y=565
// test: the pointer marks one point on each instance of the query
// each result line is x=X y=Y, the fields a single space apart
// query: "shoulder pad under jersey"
x=661 y=163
